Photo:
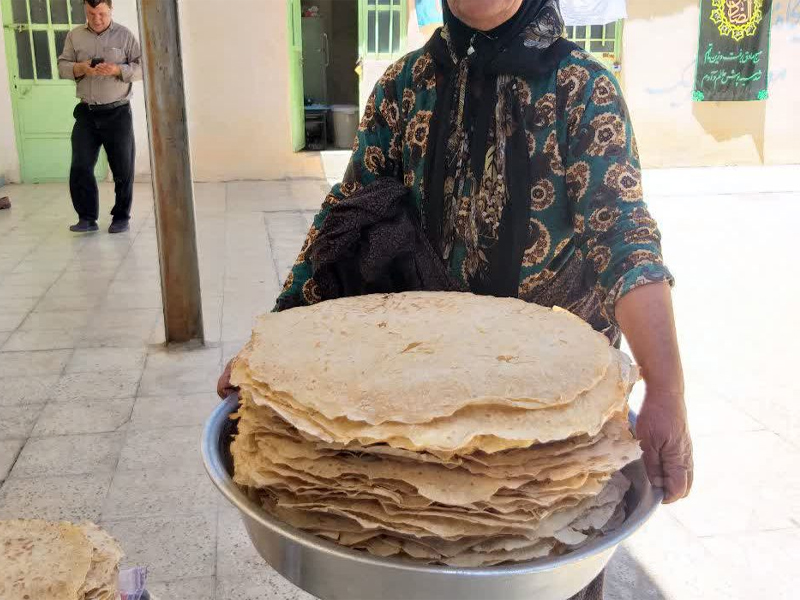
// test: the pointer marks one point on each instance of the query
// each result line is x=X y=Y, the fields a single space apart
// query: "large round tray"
x=332 y=572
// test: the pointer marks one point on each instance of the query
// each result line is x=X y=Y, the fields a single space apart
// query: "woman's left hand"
x=663 y=432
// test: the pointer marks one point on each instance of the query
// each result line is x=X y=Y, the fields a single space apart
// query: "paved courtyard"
x=98 y=420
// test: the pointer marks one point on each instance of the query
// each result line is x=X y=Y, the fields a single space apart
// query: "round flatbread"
x=415 y=357
x=41 y=560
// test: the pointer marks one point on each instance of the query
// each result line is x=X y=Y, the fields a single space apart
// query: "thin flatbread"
x=102 y=580
x=42 y=561
x=413 y=357
x=490 y=429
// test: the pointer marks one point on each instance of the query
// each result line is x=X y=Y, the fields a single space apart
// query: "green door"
x=35 y=31
x=296 y=100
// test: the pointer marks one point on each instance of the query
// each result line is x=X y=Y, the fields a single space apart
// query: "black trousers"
x=113 y=130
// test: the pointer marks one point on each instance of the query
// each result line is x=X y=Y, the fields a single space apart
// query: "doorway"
x=339 y=49
x=34 y=32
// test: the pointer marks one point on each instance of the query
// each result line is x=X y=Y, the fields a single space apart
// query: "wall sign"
x=733 y=56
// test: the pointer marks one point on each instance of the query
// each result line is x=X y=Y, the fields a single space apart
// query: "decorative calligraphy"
x=737 y=18
x=733 y=61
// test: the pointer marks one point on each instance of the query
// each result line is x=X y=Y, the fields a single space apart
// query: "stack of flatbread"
x=40 y=560
x=451 y=428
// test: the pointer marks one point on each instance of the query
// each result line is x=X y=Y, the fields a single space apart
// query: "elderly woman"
x=518 y=153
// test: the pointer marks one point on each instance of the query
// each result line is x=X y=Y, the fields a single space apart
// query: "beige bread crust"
x=419 y=356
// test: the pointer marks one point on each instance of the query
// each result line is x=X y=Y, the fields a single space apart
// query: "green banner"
x=733 y=57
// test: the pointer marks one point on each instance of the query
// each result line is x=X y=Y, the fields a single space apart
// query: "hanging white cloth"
x=593 y=12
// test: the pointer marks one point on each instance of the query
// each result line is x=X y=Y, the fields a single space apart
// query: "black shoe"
x=119 y=226
x=84 y=226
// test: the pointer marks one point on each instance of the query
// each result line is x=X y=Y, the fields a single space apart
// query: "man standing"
x=104 y=59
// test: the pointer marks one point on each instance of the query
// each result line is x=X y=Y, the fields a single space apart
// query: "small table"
x=317 y=115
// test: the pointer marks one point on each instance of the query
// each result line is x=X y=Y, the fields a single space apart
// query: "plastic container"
x=345 y=124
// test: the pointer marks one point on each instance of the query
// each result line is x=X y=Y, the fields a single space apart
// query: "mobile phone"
x=97 y=61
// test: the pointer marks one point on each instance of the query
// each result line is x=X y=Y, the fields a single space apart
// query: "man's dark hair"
x=96 y=3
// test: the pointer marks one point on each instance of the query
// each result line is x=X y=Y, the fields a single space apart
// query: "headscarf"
x=478 y=177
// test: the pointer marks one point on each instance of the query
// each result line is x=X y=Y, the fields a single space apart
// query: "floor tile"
x=231 y=349
x=114 y=337
x=69 y=455
x=259 y=586
x=309 y=193
x=18 y=421
x=9 y=450
x=60 y=319
x=41 y=339
x=152 y=412
x=137 y=319
x=721 y=504
x=663 y=561
x=195 y=589
x=83 y=416
x=91 y=360
x=172 y=547
x=76 y=288
x=96 y=386
x=45 y=278
x=9 y=321
x=763 y=564
x=54 y=303
x=236 y=555
x=132 y=300
x=73 y=498
x=18 y=304
x=157 y=492
x=18 y=293
x=175 y=448
x=258 y=196
x=710 y=414
x=18 y=391
x=181 y=371
x=33 y=363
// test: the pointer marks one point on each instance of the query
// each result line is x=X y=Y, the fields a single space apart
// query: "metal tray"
x=332 y=572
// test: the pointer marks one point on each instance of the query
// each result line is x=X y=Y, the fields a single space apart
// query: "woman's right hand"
x=224 y=387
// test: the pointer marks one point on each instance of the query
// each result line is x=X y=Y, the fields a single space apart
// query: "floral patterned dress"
x=591 y=237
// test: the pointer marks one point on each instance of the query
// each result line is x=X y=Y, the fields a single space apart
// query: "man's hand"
x=108 y=70
x=224 y=387
x=83 y=69
x=663 y=432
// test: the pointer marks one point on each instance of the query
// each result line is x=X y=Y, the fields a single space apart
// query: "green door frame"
x=19 y=90
x=295 y=42
x=297 y=113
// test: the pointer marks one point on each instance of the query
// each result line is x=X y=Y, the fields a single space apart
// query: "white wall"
x=9 y=159
x=658 y=67
x=236 y=64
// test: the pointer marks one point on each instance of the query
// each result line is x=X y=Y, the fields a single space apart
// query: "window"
x=604 y=41
x=385 y=23
x=40 y=28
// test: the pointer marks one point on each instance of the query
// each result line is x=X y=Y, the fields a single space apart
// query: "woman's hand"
x=663 y=432
x=646 y=318
x=224 y=387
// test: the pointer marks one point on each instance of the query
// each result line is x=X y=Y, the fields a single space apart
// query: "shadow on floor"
x=627 y=579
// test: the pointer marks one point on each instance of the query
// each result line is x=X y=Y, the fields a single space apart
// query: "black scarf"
x=469 y=66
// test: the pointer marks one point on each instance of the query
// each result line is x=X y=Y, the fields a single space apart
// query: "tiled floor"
x=99 y=421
